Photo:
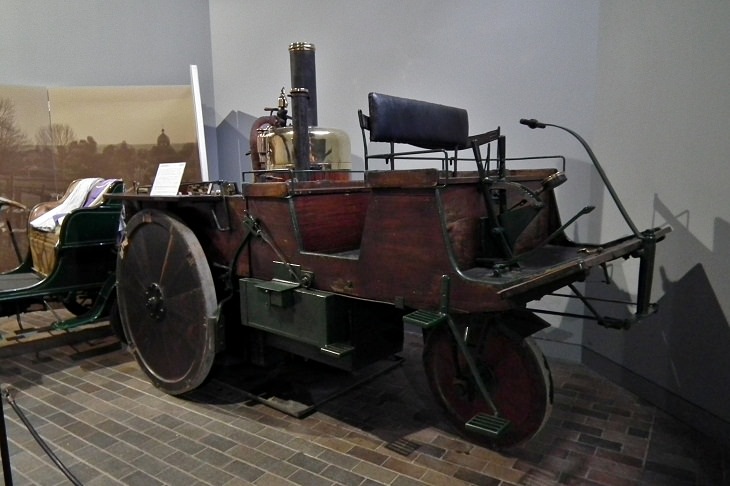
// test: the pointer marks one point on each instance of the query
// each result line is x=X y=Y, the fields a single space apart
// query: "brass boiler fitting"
x=258 y=143
x=279 y=147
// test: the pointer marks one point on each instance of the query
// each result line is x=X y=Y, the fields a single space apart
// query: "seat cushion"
x=74 y=199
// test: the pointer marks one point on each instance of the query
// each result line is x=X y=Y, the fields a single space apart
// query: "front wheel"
x=513 y=369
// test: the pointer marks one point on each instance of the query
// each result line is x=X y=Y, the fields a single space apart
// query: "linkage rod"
x=532 y=123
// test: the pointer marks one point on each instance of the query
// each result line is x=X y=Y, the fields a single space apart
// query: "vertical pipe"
x=299 y=97
x=646 y=275
x=304 y=75
x=14 y=241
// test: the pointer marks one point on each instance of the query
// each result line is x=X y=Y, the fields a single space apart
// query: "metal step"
x=489 y=425
x=337 y=349
x=424 y=318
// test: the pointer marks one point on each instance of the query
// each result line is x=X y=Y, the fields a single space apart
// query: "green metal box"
x=283 y=308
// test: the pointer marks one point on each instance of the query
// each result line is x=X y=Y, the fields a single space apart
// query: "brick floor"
x=109 y=426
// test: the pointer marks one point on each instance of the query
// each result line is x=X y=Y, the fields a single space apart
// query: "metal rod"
x=301 y=128
x=605 y=179
x=532 y=123
x=561 y=313
x=4 y=450
x=471 y=364
x=585 y=301
x=496 y=231
x=14 y=241
x=594 y=299
x=646 y=275
x=463 y=348
x=552 y=235
x=9 y=397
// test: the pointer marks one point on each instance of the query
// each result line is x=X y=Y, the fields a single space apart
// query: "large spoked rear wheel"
x=167 y=301
x=513 y=369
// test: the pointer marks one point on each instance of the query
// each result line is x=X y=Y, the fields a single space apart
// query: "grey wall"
x=501 y=60
x=662 y=105
x=120 y=43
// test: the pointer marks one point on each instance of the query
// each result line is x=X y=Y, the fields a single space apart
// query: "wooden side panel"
x=404 y=247
x=330 y=223
x=462 y=207
x=279 y=241
x=409 y=239
x=221 y=246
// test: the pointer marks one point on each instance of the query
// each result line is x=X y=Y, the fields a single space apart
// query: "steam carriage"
x=331 y=264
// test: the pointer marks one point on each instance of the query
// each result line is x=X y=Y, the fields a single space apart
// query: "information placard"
x=167 y=180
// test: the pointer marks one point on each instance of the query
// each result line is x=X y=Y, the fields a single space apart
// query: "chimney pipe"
x=304 y=75
x=299 y=97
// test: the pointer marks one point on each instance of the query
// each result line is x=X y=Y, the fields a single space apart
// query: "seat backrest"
x=418 y=123
x=46 y=220
x=97 y=192
x=81 y=193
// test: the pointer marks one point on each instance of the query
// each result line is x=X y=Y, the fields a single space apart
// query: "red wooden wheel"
x=513 y=369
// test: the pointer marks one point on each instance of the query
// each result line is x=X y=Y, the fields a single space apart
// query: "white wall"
x=96 y=43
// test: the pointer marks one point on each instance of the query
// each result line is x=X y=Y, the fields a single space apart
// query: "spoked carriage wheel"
x=166 y=300
x=513 y=369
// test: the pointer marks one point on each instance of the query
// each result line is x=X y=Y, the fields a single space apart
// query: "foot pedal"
x=489 y=425
x=337 y=349
x=424 y=318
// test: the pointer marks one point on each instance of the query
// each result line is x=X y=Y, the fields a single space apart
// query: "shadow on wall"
x=564 y=339
x=679 y=358
x=233 y=135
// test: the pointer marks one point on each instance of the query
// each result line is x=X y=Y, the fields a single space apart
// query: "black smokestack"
x=300 y=123
x=304 y=75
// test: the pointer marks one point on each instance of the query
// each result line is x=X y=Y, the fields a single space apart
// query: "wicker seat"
x=46 y=219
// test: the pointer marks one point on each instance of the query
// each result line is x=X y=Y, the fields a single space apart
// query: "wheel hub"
x=466 y=387
x=155 y=302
